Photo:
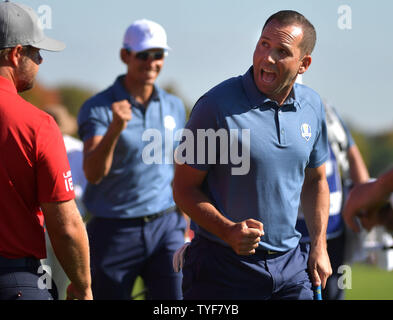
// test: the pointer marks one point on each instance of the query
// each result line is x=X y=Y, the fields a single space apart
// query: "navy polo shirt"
x=279 y=143
x=139 y=181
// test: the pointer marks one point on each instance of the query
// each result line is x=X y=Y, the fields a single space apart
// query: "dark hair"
x=290 y=17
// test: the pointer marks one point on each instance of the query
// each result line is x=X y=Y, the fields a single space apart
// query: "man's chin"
x=269 y=92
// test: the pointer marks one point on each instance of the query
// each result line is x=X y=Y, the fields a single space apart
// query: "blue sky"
x=213 y=40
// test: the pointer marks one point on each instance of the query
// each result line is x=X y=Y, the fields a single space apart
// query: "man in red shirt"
x=35 y=176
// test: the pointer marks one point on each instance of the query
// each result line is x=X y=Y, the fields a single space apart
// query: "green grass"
x=370 y=283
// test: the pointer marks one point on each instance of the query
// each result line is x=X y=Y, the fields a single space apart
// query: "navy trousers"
x=122 y=249
x=22 y=279
x=213 y=271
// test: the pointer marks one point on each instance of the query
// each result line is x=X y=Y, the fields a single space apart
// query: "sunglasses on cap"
x=154 y=55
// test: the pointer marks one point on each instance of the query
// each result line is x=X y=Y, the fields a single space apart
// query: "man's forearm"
x=315 y=207
x=98 y=157
x=200 y=209
x=367 y=197
x=72 y=251
x=98 y=151
x=243 y=237
x=69 y=240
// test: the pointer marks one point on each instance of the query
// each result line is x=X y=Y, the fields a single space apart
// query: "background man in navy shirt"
x=246 y=245
x=135 y=227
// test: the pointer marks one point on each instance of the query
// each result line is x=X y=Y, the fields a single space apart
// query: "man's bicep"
x=315 y=174
x=187 y=176
x=314 y=183
x=58 y=213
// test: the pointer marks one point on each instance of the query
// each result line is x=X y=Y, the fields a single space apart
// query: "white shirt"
x=74 y=148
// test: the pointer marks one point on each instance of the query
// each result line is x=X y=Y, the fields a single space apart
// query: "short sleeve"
x=54 y=179
x=92 y=121
x=320 y=152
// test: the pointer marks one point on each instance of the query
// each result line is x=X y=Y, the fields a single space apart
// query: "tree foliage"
x=377 y=151
x=73 y=97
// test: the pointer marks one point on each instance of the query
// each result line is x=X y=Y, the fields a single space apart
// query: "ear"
x=306 y=62
x=124 y=55
x=15 y=55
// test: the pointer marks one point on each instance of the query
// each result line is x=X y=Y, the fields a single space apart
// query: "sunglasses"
x=34 y=54
x=154 y=55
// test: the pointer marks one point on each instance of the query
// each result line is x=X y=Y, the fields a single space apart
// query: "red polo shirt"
x=34 y=169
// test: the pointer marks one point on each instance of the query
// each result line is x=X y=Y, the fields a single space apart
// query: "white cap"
x=144 y=35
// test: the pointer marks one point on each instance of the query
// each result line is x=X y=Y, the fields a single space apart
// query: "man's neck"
x=283 y=97
x=141 y=93
x=5 y=72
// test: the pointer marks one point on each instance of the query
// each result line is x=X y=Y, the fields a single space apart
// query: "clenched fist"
x=121 y=111
x=245 y=236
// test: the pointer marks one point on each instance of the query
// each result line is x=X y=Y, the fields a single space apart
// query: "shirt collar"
x=7 y=85
x=121 y=93
x=259 y=99
x=292 y=99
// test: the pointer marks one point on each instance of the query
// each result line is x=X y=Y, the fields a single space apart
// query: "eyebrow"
x=284 y=45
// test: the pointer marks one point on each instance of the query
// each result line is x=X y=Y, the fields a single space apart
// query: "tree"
x=73 y=97
x=171 y=88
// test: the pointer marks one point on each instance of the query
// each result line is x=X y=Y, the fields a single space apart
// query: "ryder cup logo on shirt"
x=169 y=123
x=306 y=131
x=68 y=181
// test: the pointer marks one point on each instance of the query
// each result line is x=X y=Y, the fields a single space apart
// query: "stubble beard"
x=25 y=77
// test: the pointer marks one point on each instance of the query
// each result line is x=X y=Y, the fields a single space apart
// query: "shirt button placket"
x=282 y=129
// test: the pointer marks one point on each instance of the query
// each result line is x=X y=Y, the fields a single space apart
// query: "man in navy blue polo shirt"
x=128 y=132
x=246 y=245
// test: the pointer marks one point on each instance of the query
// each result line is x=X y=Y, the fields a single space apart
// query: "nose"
x=269 y=57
